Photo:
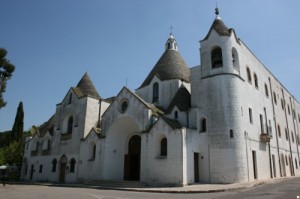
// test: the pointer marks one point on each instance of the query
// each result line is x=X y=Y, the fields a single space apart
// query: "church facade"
x=227 y=120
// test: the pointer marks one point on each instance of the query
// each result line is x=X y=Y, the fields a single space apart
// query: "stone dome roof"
x=170 y=66
x=85 y=87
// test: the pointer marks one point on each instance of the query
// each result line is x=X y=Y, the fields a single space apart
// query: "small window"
x=92 y=152
x=41 y=168
x=48 y=145
x=216 y=58
x=294 y=114
x=289 y=111
x=279 y=131
x=261 y=123
x=176 y=115
x=70 y=125
x=266 y=90
x=286 y=160
x=231 y=133
x=26 y=169
x=250 y=116
x=72 y=165
x=282 y=104
x=255 y=81
x=249 y=75
x=298 y=118
x=293 y=139
x=203 y=125
x=155 y=92
x=70 y=98
x=286 y=134
x=54 y=163
x=164 y=147
x=275 y=98
x=296 y=163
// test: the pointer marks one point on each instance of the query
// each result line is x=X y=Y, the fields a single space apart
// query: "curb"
x=161 y=189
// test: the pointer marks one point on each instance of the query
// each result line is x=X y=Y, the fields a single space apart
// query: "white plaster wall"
x=157 y=169
x=167 y=90
x=90 y=169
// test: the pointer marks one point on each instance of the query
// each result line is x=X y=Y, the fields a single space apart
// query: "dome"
x=170 y=66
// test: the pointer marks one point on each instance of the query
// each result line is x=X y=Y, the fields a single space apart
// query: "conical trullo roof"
x=219 y=26
x=170 y=66
x=85 y=87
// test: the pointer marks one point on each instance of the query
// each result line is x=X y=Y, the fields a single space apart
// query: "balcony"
x=66 y=136
x=264 y=137
x=46 y=152
x=34 y=153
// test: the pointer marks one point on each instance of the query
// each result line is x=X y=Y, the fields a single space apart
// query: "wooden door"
x=196 y=167
x=62 y=172
x=132 y=160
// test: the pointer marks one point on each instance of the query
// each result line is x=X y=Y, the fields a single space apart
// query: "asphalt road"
x=286 y=189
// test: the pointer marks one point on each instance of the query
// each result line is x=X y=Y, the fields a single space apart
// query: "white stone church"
x=226 y=120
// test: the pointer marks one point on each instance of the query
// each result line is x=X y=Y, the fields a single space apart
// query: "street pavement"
x=270 y=189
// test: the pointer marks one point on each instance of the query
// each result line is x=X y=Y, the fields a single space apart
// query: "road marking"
x=100 y=196
x=94 y=196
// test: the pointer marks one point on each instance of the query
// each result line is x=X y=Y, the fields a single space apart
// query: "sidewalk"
x=197 y=188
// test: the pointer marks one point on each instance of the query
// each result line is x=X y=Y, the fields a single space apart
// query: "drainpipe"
x=275 y=124
x=269 y=147
x=99 y=114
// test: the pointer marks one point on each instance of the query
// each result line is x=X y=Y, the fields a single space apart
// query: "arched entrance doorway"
x=63 y=165
x=132 y=160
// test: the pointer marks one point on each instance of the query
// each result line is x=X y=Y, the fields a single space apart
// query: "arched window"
x=216 y=58
x=70 y=125
x=92 y=151
x=203 y=125
x=249 y=75
x=266 y=90
x=255 y=80
x=235 y=59
x=54 y=163
x=72 y=165
x=155 y=92
x=164 y=147
x=279 y=131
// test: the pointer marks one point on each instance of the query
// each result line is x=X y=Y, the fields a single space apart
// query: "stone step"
x=118 y=183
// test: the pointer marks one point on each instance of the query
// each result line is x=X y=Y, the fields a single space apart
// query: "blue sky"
x=53 y=43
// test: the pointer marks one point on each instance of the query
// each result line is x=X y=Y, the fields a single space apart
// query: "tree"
x=6 y=70
x=13 y=153
x=17 y=130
